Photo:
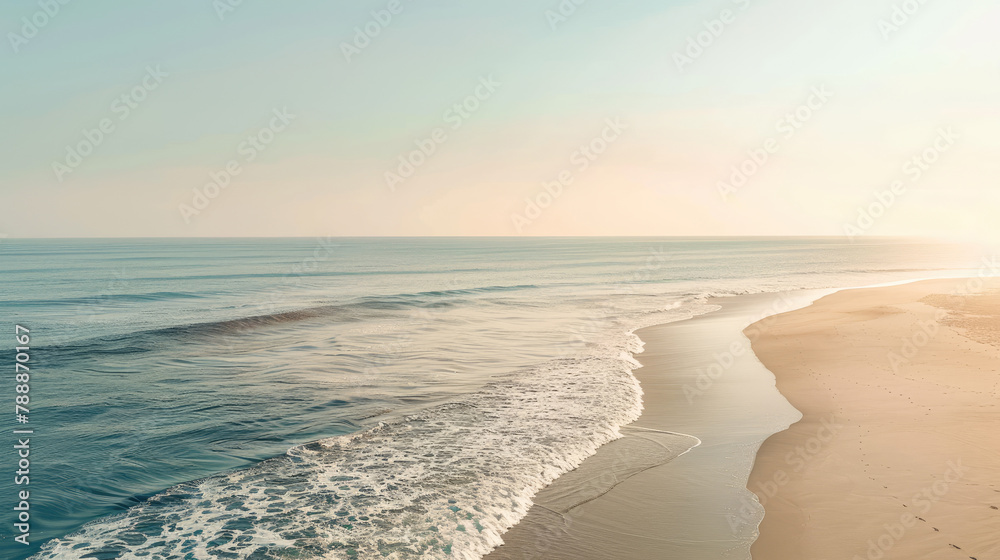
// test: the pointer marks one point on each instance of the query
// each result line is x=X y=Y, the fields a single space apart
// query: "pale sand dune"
x=899 y=389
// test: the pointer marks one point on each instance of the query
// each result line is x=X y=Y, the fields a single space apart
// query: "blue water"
x=365 y=398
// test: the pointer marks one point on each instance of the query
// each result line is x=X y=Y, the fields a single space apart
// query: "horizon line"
x=791 y=236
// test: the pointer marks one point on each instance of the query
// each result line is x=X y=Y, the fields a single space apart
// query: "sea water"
x=348 y=397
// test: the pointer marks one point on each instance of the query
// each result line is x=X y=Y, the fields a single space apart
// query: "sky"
x=500 y=117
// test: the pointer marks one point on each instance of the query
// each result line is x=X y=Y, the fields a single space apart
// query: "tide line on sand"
x=675 y=485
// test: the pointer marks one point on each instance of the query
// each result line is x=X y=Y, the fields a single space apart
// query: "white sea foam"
x=446 y=483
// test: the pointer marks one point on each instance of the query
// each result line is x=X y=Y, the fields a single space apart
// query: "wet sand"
x=675 y=485
x=898 y=451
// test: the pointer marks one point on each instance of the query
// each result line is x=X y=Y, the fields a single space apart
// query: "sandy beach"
x=675 y=484
x=898 y=451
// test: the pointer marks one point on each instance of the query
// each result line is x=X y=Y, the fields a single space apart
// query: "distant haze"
x=403 y=117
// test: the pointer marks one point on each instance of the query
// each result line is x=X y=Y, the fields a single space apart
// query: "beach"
x=675 y=485
x=439 y=398
x=897 y=454
x=891 y=450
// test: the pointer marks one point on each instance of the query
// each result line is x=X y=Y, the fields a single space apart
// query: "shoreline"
x=896 y=450
x=658 y=492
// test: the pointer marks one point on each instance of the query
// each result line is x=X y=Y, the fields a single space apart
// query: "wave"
x=470 y=291
x=442 y=484
x=109 y=298
x=359 y=310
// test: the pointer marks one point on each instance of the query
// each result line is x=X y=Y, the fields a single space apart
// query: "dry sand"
x=898 y=452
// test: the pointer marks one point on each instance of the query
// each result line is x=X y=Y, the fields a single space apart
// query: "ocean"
x=351 y=397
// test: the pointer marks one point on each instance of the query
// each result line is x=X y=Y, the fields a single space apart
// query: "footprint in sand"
x=956 y=546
